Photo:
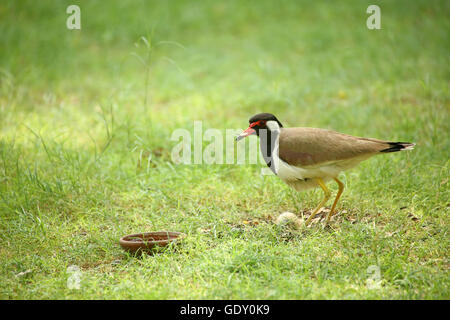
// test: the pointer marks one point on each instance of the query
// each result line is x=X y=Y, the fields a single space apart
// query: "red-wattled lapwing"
x=308 y=157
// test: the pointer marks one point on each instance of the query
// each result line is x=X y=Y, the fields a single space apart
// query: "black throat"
x=267 y=144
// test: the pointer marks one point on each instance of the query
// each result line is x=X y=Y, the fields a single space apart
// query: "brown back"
x=312 y=146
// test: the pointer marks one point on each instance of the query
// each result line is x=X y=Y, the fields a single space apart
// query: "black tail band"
x=398 y=146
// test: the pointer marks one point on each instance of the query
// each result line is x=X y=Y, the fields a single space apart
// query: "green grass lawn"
x=86 y=118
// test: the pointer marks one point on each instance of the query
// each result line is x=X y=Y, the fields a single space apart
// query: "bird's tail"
x=399 y=146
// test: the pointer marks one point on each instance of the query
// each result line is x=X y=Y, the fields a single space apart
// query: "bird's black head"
x=263 y=118
x=260 y=121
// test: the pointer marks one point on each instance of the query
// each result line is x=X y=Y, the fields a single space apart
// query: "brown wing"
x=312 y=146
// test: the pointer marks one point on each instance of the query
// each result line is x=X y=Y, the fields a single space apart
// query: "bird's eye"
x=258 y=123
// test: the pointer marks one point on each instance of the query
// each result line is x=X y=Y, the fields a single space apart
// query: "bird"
x=305 y=157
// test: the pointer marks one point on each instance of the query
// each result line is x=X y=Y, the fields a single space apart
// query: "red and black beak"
x=248 y=132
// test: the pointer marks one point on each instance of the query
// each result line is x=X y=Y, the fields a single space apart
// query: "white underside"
x=301 y=178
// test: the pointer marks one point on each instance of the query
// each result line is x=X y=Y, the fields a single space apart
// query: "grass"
x=86 y=118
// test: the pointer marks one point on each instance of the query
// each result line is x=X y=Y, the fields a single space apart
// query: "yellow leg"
x=341 y=189
x=325 y=199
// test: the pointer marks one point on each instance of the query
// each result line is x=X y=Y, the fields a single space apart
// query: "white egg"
x=288 y=218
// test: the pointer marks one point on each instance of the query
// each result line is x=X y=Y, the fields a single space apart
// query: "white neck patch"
x=272 y=125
